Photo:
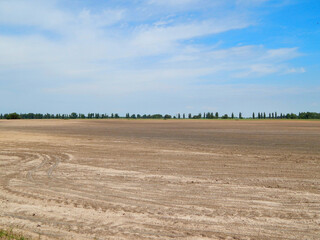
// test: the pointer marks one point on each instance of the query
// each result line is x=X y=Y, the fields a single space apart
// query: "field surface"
x=157 y=179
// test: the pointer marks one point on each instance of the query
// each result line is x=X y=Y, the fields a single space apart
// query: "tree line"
x=208 y=115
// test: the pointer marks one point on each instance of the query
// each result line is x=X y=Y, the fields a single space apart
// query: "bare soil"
x=161 y=179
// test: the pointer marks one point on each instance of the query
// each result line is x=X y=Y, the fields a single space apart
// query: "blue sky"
x=159 y=56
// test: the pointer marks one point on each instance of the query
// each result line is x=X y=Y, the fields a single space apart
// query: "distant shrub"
x=13 y=116
x=156 y=116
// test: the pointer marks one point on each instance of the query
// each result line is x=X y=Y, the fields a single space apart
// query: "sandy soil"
x=157 y=179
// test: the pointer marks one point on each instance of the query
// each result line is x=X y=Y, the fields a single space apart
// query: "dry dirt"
x=157 y=179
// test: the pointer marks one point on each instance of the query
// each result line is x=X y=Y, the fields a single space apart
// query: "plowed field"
x=161 y=179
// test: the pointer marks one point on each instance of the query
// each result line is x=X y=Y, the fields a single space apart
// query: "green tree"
x=73 y=115
x=253 y=116
x=156 y=116
x=13 y=116
x=197 y=116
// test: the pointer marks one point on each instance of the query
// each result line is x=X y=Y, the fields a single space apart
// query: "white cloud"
x=42 y=14
x=296 y=70
x=282 y=54
x=101 y=52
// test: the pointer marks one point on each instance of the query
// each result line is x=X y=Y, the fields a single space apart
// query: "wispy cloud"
x=120 y=49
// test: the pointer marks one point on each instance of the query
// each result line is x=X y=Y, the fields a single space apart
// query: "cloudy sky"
x=159 y=56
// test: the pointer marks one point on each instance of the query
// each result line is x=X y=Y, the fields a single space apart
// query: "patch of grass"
x=9 y=235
